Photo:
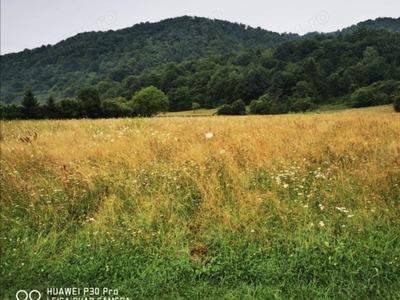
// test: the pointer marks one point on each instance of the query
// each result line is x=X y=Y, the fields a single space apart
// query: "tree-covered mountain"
x=101 y=58
x=211 y=63
x=390 y=24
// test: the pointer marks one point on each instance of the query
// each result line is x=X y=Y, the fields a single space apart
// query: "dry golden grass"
x=153 y=160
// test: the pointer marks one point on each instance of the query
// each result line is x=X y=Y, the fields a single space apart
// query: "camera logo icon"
x=25 y=295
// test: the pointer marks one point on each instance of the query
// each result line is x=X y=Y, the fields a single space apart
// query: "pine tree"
x=30 y=106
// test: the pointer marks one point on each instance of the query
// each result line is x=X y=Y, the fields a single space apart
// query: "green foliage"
x=363 y=97
x=302 y=104
x=145 y=46
x=396 y=101
x=50 y=109
x=268 y=104
x=238 y=107
x=195 y=106
x=391 y=24
x=30 y=106
x=148 y=102
x=10 y=111
x=257 y=107
x=70 y=108
x=190 y=65
x=179 y=98
x=225 y=109
x=115 y=108
x=90 y=99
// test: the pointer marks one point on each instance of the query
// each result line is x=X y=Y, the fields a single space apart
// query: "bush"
x=195 y=106
x=10 y=111
x=238 y=107
x=70 y=108
x=225 y=109
x=257 y=107
x=115 y=108
x=302 y=104
x=385 y=91
x=363 y=97
x=267 y=105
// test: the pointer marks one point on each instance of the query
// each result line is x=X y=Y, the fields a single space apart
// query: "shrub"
x=302 y=104
x=256 y=107
x=238 y=107
x=363 y=97
x=115 y=108
x=225 y=109
x=195 y=106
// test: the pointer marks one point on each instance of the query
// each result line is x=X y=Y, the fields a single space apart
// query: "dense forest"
x=106 y=58
x=211 y=63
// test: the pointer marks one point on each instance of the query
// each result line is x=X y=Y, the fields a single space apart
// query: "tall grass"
x=271 y=207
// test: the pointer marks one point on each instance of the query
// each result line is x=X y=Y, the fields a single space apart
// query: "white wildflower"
x=342 y=209
x=209 y=135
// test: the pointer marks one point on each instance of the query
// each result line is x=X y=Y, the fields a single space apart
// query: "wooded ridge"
x=214 y=62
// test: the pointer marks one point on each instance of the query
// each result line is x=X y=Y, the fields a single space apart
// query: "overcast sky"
x=32 y=23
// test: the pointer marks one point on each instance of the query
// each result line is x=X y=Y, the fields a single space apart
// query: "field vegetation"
x=298 y=206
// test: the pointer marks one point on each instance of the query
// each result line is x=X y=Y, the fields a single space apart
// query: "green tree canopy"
x=90 y=98
x=225 y=109
x=238 y=107
x=50 y=109
x=30 y=106
x=116 y=108
x=363 y=97
x=396 y=101
x=69 y=108
x=195 y=106
x=149 y=101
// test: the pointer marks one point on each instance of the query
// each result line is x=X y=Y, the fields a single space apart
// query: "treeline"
x=147 y=102
x=390 y=24
x=292 y=76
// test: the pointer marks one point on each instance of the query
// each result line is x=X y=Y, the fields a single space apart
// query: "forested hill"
x=211 y=62
x=91 y=57
x=390 y=24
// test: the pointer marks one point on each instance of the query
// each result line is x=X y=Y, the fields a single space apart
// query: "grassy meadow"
x=301 y=206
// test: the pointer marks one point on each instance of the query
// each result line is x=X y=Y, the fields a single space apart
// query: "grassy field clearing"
x=196 y=113
x=270 y=207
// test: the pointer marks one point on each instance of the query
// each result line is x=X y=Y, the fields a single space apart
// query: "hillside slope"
x=90 y=57
x=183 y=57
x=390 y=24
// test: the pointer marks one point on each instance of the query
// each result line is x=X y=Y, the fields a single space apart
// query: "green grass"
x=272 y=207
x=198 y=112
